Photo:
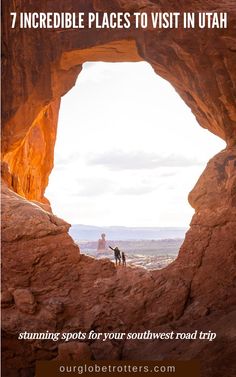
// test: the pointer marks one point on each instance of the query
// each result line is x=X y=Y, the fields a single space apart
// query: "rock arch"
x=38 y=68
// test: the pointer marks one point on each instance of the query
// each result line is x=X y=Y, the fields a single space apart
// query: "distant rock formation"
x=102 y=247
x=47 y=284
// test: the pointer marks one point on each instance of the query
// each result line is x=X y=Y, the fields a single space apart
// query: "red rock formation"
x=47 y=284
x=47 y=70
x=29 y=162
x=73 y=351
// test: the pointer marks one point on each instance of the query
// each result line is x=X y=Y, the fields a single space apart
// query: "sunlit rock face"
x=30 y=162
x=47 y=284
x=198 y=63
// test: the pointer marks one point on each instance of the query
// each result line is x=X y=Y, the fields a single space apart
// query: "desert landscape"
x=150 y=254
x=47 y=283
x=143 y=247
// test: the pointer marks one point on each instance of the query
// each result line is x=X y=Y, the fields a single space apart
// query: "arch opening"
x=128 y=152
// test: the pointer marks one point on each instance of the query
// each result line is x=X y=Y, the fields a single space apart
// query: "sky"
x=128 y=150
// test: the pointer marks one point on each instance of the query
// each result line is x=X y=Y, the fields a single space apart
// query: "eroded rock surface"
x=57 y=289
x=47 y=285
x=199 y=64
x=74 y=351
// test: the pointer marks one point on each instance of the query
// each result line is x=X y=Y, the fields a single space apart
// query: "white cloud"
x=128 y=150
x=122 y=160
x=134 y=191
x=92 y=187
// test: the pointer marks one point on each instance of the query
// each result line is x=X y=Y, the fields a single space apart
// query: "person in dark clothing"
x=123 y=258
x=117 y=254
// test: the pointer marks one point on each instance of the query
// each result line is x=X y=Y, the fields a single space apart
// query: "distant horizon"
x=132 y=226
x=81 y=232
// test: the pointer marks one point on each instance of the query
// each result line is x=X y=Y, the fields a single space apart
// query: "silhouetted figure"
x=117 y=254
x=101 y=248
x=123 y=258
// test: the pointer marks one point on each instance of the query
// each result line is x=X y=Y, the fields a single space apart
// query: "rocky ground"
x=46 y=283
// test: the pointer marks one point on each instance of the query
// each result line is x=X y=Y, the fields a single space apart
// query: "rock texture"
x=28 y=163
x=40 y=66
x=81 y=293
x=74 y=351
x=47 y=285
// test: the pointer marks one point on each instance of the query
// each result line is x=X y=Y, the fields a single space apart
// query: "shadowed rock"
x=54 y=287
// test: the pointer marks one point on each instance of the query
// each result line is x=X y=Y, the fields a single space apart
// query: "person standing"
x=123 y=257
x=117 y=254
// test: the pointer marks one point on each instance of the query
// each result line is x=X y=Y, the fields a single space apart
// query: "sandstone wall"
x=40 y=66
x=47 y=284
